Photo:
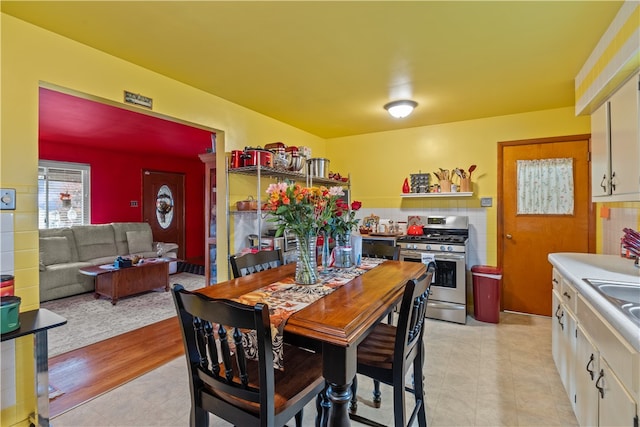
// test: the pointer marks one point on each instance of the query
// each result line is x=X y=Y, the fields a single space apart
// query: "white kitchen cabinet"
x=563 y=335
x=557 y=335
x=615 y=145
x=598 y=368
x=587 y=371
x=616 y=407
x=600 y=153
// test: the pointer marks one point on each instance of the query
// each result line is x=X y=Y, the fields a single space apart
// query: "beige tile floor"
x=478 y=374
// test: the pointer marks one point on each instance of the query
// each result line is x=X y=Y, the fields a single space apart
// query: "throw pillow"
x=139 y=241
x=55 y=250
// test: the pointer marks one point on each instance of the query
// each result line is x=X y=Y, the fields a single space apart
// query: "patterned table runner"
x=285 y=297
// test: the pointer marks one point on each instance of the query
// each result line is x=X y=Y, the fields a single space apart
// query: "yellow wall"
x=380 y=162
x=31 y=55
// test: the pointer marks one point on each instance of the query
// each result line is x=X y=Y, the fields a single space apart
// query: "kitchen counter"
x=381 y=238
x=578 y=266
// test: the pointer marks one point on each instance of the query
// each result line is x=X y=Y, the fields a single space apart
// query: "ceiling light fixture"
x=400 y=109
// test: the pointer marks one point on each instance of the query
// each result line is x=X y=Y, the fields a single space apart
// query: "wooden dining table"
x=335 y=324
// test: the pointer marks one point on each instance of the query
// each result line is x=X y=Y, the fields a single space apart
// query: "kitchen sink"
x=624 y=295
x=622 y=292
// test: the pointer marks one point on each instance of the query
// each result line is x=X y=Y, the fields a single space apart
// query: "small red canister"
x=237 y=160
x=6 y=285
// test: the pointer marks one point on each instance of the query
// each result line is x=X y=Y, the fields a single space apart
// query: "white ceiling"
x=328 y=67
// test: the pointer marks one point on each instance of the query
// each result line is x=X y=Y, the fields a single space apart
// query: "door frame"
x=500 y=193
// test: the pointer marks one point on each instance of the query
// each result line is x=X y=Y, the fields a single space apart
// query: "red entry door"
x=163 y=206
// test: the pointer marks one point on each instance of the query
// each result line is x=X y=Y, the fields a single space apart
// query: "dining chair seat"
x=389 y=352
x=233 y=379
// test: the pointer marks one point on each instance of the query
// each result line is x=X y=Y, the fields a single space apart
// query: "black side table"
x=37 y=322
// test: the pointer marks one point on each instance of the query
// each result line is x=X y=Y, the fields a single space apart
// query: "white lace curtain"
x=545 y=186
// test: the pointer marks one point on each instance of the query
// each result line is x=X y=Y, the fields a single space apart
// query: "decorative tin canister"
x=9 y=314
x=6 y=285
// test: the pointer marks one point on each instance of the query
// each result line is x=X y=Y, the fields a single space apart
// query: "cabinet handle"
x=555 y=280
x=600 y=388
x=603 y=183
x=613 y=182
x=560 y=316
x=567 y=295
x=590 y=362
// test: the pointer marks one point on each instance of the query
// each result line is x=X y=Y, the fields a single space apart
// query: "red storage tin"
x=6 y=285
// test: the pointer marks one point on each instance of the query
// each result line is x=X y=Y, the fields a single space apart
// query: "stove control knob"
x=450 y=248
x=443 y=248
x=428 y=247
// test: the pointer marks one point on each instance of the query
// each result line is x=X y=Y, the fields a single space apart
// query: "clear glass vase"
x=325 y=254
x=306 y=263
x=343 y=251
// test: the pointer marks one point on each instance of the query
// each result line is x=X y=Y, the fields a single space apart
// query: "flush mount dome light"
x=400 y=109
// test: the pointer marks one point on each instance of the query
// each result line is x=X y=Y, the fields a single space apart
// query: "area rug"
x=90 y=320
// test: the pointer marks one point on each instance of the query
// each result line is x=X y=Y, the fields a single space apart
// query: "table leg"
x=42 y=376
x=339 y=368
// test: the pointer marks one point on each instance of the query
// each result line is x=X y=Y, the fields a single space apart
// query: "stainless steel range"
x=445 y=240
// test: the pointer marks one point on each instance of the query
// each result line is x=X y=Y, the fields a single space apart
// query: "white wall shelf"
x=426 y=195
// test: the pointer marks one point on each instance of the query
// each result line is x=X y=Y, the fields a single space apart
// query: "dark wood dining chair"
x=246 y=264
x=224 y=381
x=389 y=351
x=379 y=250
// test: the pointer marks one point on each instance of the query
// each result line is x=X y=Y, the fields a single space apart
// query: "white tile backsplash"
x=7 y=348
x=477 y=244
x=612 y=227
x=6 y=243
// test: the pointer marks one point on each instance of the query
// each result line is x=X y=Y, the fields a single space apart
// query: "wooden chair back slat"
x=212 y=347
x=254 y=263
x=411 y=318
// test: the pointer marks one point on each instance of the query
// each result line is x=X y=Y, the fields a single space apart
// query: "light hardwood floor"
x=90 y=371
x=478 y=374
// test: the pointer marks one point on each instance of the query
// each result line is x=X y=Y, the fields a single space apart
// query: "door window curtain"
x=545 y=186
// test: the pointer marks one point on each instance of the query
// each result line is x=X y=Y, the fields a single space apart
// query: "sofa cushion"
x=120 y=230
x=94 y=241
x=63 y=280
x=62 y=232
x=139 y=241
x=54 y=250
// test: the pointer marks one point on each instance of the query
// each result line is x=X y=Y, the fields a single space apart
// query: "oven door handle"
x=448 y=257
x=444 y=305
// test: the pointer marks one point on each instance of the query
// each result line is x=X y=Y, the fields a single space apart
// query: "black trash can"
x=486 y=293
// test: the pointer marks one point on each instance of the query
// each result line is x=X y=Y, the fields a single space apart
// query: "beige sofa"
x=63 y=251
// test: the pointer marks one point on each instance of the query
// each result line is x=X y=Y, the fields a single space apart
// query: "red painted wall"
x=116 y=179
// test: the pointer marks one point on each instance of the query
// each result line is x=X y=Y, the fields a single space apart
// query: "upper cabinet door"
x=625 y=141
x=600 y=153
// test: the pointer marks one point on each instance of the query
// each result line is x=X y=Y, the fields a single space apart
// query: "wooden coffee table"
x=116 y=283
